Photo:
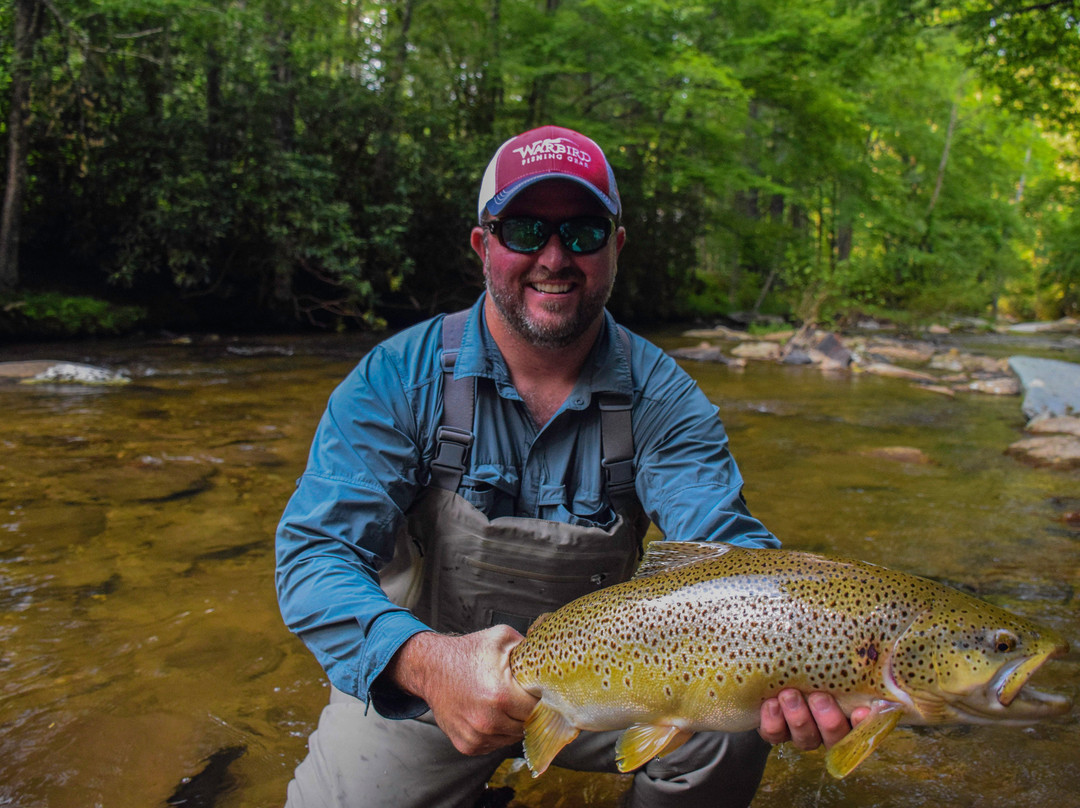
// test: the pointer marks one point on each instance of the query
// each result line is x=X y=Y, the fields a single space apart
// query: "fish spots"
x=716 y=633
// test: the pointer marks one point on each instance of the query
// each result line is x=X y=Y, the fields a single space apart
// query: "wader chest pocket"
x=478 y=571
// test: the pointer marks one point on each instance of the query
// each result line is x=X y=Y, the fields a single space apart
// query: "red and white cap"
x=547 y=153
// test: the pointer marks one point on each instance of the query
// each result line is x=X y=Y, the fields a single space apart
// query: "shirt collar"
x=606 y=370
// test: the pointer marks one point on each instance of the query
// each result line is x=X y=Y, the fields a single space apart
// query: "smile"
x=553 y=288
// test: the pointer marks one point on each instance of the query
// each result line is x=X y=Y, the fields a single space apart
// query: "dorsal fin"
x=664 y=556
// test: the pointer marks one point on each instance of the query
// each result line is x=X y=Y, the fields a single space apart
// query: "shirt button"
x=579 y=401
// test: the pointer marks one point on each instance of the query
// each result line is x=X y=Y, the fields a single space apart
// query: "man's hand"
x=467 y=683
x=806 y=722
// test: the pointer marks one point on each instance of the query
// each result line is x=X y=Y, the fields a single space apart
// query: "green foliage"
x=51 y=314
x=315 y=162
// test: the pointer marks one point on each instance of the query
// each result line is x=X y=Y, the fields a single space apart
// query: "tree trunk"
x=491 y=81
x=953 y=114
x=214 y=105
x=538 y=91
x=11 y=214
x=389 y=118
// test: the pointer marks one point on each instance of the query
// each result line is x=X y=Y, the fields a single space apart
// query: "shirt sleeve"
x=687 y=479
x=339 y=529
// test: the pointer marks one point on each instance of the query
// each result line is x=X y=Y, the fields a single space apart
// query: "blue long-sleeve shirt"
x=370 y=455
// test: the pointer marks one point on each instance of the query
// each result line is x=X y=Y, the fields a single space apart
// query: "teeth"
x=552 y=288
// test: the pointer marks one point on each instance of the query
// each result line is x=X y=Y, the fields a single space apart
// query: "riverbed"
x=143 y=661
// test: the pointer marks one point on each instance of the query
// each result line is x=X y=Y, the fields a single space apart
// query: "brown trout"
x=704 y=633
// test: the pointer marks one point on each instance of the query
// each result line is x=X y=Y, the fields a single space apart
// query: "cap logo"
x=560 y=148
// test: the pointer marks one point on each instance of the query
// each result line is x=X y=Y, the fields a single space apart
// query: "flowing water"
x=143 y=662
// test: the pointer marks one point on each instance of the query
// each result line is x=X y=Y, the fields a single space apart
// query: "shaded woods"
x=289 y=163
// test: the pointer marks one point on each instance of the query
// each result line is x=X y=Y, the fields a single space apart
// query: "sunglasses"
x=527 y=234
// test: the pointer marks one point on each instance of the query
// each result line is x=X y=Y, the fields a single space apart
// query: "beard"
x=548 y=332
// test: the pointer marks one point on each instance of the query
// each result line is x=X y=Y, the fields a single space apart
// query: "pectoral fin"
x=857 y=745
x=641 y=743
x=546 y=733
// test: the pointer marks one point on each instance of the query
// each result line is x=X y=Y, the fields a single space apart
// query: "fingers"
x=807 y=722
x=467 y=682
x=774 y=728
x=832 y=724
x=800 y=721
x=859 y=714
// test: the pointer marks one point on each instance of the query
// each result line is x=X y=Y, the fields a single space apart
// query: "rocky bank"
x=1051 y=388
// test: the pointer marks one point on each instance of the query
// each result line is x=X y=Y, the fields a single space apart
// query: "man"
x=477 y=470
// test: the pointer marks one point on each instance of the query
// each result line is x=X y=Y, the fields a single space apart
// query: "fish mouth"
x=1008 y=698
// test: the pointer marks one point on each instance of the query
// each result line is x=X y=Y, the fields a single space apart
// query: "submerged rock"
x=897 y=372
x=1051 y=387
x=940 y=389
x=1064 y=325
x=212 y=783
x=899 y=454
x=797 y=357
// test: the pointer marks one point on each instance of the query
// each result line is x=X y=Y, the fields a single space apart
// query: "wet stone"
x=763 y=351
x=1061 y=425
x=996 y=386
x=1055 y=451
x=706 y=353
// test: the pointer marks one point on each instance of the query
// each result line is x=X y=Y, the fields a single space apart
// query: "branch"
x=140 y=34
x=1037 y=7
x=998 y=11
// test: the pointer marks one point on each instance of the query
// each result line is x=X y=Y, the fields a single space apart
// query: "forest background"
x=268 y=164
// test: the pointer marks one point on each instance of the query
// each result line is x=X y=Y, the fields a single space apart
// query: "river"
x=143 y=661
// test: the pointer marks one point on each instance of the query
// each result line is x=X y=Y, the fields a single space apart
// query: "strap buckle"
x=452 y=446
x=619 y=475
x=612 y=402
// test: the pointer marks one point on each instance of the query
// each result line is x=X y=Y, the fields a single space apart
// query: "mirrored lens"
x=526 y=234
x=585 y=234
x=523 y=233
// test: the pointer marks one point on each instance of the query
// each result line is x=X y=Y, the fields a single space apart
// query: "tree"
x=26 y=25
x=315 y=161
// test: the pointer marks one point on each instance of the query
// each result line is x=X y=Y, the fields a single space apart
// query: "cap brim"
x=498 y=203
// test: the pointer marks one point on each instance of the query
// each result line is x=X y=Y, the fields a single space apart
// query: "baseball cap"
x=547 y=153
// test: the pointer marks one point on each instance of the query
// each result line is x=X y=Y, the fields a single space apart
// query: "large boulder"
x=1051 y=387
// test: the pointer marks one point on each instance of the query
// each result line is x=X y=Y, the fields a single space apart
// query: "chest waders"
x=460 y=571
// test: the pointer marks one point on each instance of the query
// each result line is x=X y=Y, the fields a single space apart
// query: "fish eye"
x=1005 y=641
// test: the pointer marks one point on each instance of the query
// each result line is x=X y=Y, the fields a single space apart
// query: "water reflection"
x=141 y=652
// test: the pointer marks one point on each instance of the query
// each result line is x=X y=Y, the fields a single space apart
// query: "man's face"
x=553 y=296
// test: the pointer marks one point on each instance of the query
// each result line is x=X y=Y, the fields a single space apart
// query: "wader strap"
x=454 y=436
x=617 y=441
